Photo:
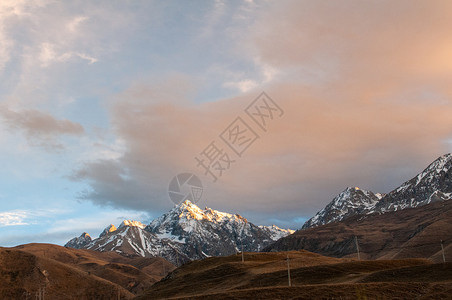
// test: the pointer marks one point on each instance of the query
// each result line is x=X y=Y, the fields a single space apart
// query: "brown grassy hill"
x=264 y=276
x=75 y=274
x=414 y=232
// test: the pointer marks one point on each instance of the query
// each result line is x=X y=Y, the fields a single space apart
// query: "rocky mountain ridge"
x=184 y=233
x=433 y=184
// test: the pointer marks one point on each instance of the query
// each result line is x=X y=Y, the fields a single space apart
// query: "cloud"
x=40 y=128
x=242 y=85
x=25 y=217
x=75 y=23
x=357 y=41
x=213 y=18
x=316 y=149
x=48 y=55
x=365 y=87
x=13 y=218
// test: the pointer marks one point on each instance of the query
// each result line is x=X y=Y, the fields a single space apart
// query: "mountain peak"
x=434 y=183
x=350 y=201
x=442 y=163
x=422 y=189
x=188 y=203
x=184 y=233
x=352 y=188
x=79 y=242
x=131 y=223
x=110 y=228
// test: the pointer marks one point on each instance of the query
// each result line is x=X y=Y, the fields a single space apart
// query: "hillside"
x=63 y=273
x=412 y=232
x=264 y=276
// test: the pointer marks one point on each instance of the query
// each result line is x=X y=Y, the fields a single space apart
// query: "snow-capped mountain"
x=79 y=242
x=211 y=233
x=352 y=201
x=130 y=238
x=275 y=232
x=432 y=184
x=184 y=233
x=108 y=229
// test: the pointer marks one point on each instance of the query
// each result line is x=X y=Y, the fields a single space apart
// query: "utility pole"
x=40 y=293
x=288 y=270
x=357 y=247
x=442 y=250
x=243 y=257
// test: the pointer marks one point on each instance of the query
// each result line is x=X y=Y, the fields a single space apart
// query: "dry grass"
x=264 y=276
x=67 y=273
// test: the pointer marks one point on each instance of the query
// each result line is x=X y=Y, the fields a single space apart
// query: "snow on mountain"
x=186 y=232
x=108 y=229
x=131 y=239
x=432 y=184
x=79 y=242
x=209 y=232
x=352 y=201
x=275 y=232
x=130 y=223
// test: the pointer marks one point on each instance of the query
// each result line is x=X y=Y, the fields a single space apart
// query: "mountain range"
x=431 y=185
x=183 y=234
x=188 y=233
x=413 y=220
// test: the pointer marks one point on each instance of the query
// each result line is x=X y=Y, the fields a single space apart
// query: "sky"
x=102 y=103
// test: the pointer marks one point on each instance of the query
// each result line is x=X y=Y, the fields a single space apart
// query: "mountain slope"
x=209 y=232
x=412 y=232
x=130 y=239
x=352 y=201
x=44 y=271
x=432 y=184
x=265 y=276
x=79 y=242
x=184 y=233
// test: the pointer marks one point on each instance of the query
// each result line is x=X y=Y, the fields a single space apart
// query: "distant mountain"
x=185 y=233
x=208 y=232
x=131 y=238
x=79 y=242
x=410 y=221
x=407 y=233
x=432 y=184
x=107 y=230
x=352 y=201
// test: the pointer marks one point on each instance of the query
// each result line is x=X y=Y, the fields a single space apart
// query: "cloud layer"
x=40 y=128
x=366 y=91
x=143 y=89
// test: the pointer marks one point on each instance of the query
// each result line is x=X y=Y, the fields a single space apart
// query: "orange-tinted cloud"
x=365 y=87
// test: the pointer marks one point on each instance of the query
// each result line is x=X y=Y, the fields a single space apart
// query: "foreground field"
x=265 y=276
x=54 y=272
